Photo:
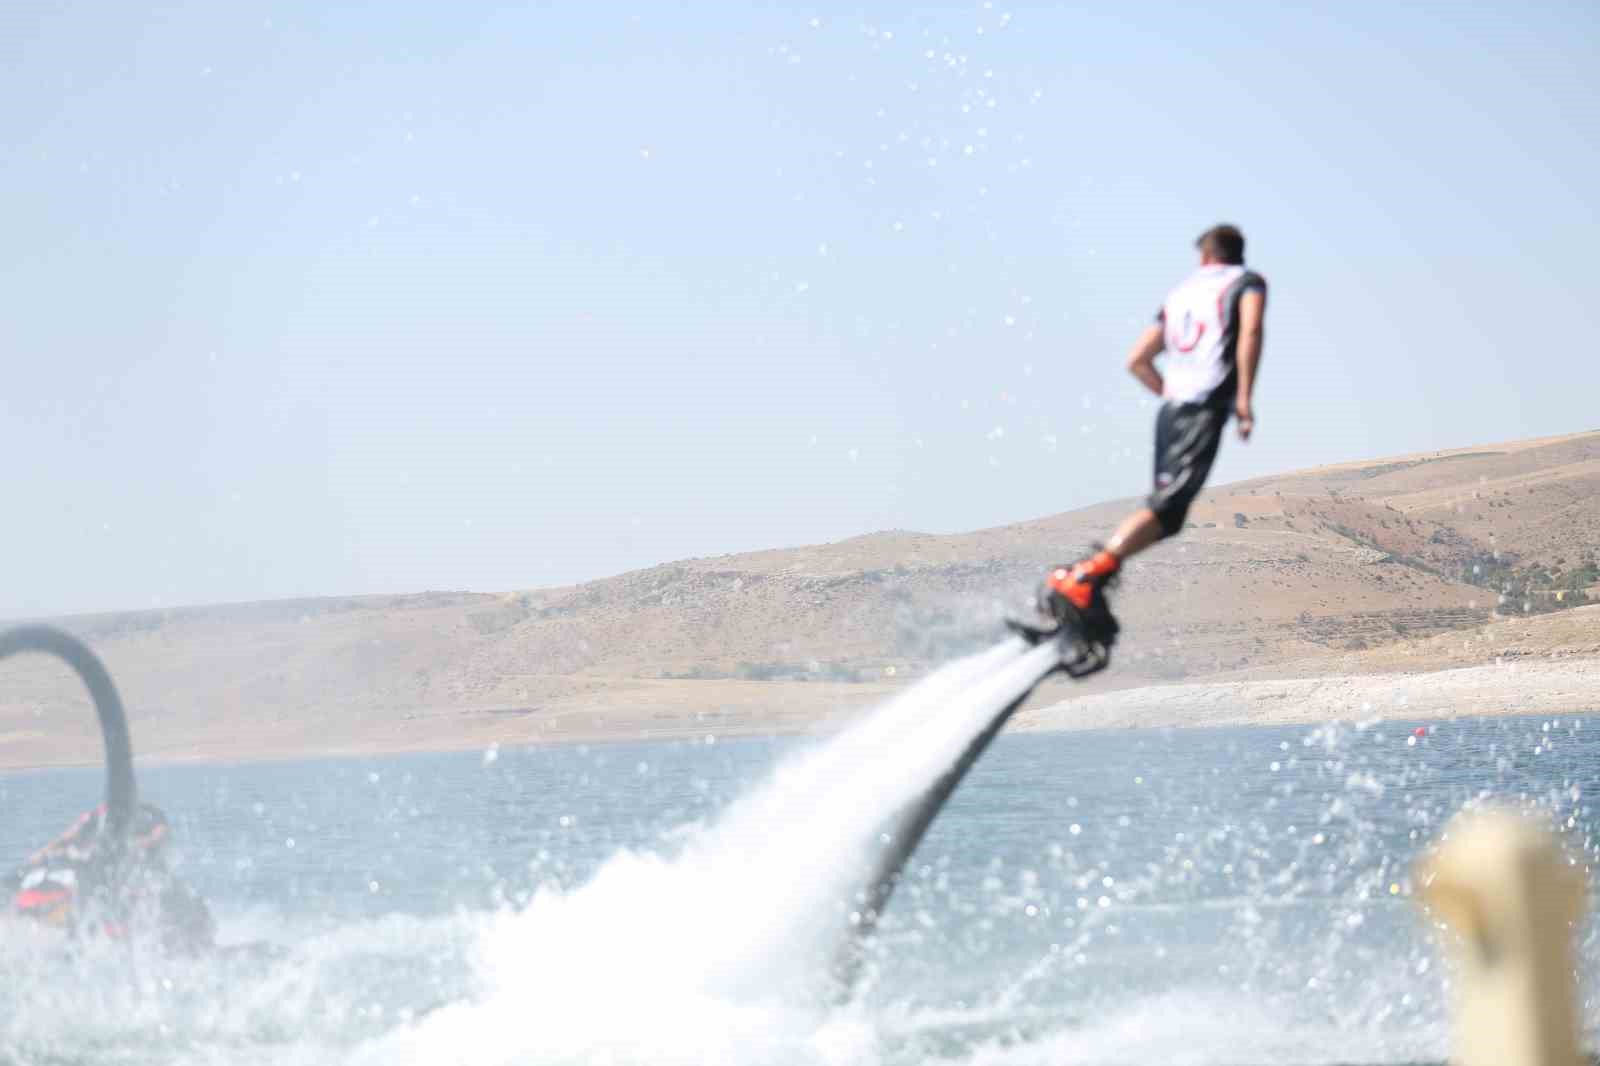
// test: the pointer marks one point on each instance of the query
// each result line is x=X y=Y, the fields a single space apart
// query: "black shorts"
x=1187 y=438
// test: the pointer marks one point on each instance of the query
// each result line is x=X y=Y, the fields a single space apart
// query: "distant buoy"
x=1420 y=731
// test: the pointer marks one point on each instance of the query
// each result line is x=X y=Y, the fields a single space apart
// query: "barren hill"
x=1302 y=567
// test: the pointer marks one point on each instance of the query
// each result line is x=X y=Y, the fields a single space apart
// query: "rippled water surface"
x=1186 y=896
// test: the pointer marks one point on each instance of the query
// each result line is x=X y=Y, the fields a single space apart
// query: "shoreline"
x=1515 y=688
x=1557 y=687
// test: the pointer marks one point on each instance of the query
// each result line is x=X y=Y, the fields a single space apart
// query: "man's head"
x=1221 y=244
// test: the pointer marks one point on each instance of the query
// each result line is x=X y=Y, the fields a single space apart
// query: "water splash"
x=1209 y=908
x=721 y=944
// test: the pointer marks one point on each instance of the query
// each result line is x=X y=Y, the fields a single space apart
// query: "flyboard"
x=1080 y=650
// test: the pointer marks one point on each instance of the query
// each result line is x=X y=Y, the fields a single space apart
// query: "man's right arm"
x=1142 y=359
x=1252 y=308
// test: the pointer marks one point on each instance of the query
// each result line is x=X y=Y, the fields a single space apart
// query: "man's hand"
x=1246 y=419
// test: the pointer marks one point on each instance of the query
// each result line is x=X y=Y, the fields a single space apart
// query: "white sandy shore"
x=668 y=710
x=1542 y=687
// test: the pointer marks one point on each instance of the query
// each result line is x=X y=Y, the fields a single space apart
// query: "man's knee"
x=1170 y=515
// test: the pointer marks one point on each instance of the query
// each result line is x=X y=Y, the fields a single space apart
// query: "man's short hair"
x=1223 y=243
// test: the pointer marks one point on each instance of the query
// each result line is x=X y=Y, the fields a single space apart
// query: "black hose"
x=886 y=875
x=121 y=791
x=913 y=825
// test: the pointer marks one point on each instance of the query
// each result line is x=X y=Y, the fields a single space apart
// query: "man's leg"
x=1136 y=533
x=1187 y=438
x=1080 y=582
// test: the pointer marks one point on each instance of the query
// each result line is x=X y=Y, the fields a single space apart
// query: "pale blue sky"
x=308 y=299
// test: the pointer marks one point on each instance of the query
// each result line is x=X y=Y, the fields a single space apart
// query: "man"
x=1210 y=328
x=84 y=883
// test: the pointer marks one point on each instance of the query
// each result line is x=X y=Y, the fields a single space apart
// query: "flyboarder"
x=1210 y=327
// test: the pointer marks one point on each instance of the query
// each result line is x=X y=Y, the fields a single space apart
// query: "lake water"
x=1183 y=896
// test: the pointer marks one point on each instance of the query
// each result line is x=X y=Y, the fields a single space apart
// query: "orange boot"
x=1079 y=590
x=1080 y=583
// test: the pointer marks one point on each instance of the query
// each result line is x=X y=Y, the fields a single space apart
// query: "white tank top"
x=1200 y=322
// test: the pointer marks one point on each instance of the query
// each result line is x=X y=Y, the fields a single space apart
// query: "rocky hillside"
x=1327 y=561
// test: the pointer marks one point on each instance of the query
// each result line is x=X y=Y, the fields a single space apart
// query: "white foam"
x=714 y=955
x=1192 y=1027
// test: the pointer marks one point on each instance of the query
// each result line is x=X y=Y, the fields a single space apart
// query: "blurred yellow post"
x=1506 y=889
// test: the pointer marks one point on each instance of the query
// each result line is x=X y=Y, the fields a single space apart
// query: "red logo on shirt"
x=1189 y=333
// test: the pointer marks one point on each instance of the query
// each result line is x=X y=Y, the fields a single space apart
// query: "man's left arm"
x=1252 y=312
x=1142 y=358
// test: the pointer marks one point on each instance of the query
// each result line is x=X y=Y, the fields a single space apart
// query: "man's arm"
x=1142 y=359
x=1252 y=310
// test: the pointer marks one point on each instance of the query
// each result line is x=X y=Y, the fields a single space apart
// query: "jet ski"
x=85 y=884
x=108 y=874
